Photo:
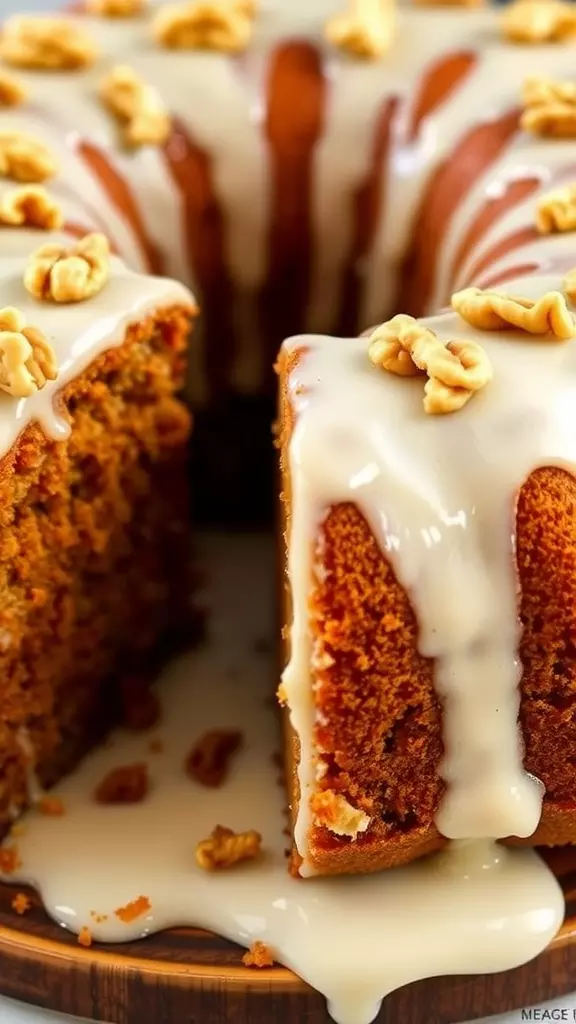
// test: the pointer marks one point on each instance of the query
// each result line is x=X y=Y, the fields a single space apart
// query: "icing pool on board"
x=475 y=910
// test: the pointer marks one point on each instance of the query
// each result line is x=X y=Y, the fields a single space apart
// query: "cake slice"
x=94 y=516
x=430 y=647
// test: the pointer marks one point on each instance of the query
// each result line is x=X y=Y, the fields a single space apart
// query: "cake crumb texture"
x=93 y=553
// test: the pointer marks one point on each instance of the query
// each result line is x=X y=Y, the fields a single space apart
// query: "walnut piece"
x=24 y=158
x=225 y=848
x=115 y=8
x=556 y=211
x=21 y=903
x=365 y=30
x=456 y=369
x=225 y=25
x=12 y=91
x=133 y=910
x=27 y=360
x=549 y=108
x=137 y=106
x=51 y=806
x=209 y=760
x=258 y=956
x=30 y=206
x=59 y=274
x=126 y=785
x=332 y=811
x=51 y=44
x=539 y=21
x=496 y=311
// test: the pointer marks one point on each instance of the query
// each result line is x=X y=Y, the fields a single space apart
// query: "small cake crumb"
x=9 y=860
x=21 y=903
x=133 y=910
x=258 y=956
x=98 y=918
x=128 y=784
x=209 y=760
x=334 y=812
x=224 y=848
x=85 y=938
x=51 y=806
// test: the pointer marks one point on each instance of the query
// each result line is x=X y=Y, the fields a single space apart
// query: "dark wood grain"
x=188 y=976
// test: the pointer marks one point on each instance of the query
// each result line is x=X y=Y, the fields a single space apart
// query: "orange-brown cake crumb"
x=9 y=860
x=128 y=784
x=224 y=848
x=209 y=760
x=98 y=918
x=132 y=911
x=51 y=806
x=110 y=503
x=21 y=903
x=85 y=937
x=258 y=956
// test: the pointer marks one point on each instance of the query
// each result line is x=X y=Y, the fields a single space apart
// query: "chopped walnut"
x=21 y=903
x=51 y=806
x=116 y=8
x=204 y=25
x=258 y=956
x=59 y=274
x=209 y=760
x=225 y=848
x=333 y=811
x=539 y=21
x=549 y=108
x=126 y=785
x=24 y=158
x=30 y=206
x=53 y=44
x=27 y=360
x=496 y=311
x=85 y=938
x=12 y=91
x=137 y=106
x=9 y=860
x=133 y=910
x=556 y=211
x=365 y=30
x=456 y=369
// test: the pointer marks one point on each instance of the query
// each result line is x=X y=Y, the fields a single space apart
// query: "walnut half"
x=27 y=360
x=59 y=274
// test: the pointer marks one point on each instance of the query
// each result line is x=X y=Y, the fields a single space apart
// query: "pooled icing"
x=479 y=909
x=476 y=907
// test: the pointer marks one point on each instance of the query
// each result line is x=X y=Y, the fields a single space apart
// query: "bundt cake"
x=321 y=167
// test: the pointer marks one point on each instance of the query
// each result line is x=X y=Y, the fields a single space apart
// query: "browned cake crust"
x=93 y=552
x=381 y=731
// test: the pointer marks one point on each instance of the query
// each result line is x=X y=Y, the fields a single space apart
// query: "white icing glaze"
x=78 y=332
x=438 y=494
x=476 y=909
x=222 y=103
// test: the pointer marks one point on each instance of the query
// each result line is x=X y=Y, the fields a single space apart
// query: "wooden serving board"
x=188 y=976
